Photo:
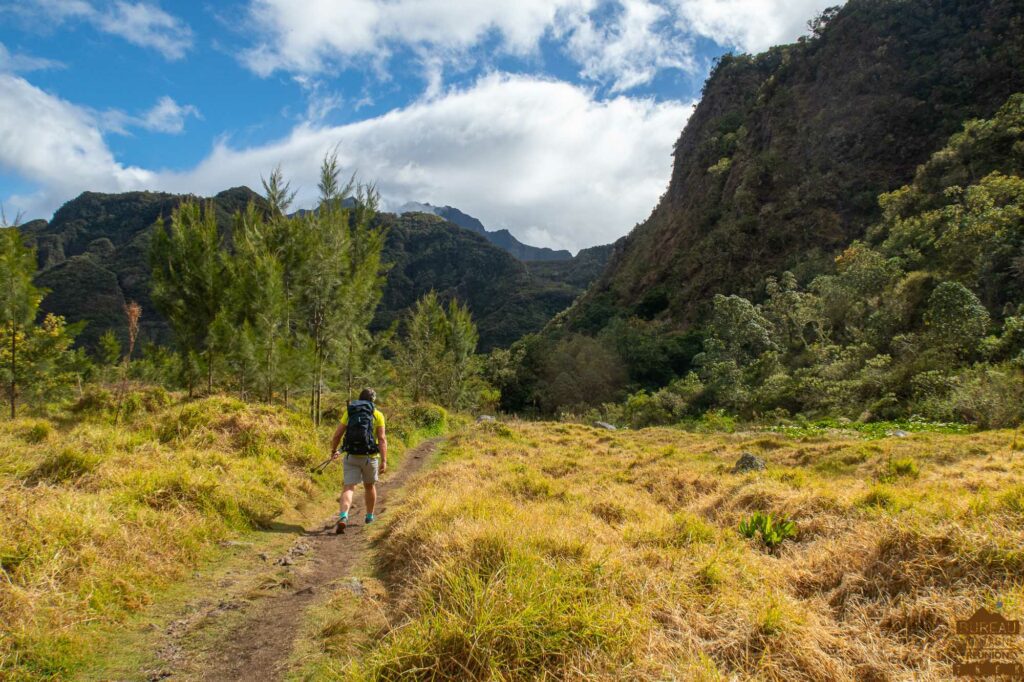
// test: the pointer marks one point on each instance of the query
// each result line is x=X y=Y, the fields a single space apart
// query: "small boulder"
x=748 y=462
x=606 y=426
x=898 y=433
x=484 y=419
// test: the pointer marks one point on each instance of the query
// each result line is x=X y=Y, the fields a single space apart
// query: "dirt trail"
x=254 y=627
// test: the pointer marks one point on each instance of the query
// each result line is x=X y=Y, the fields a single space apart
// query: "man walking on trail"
x=365 y=446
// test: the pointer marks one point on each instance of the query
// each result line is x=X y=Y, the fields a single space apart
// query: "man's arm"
x=338 y=433
x=382 y=443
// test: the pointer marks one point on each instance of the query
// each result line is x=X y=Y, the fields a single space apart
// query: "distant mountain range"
x=93 y=258
x=501 y=238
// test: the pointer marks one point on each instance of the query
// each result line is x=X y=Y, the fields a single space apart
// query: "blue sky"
x=552 y=118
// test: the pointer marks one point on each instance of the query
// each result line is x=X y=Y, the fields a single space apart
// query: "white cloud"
x=631 y=50
x=12 y=62
x=56 y=145
x=167 y=116
x=147 y=25
x=59 y=10
x=750 y=25
x=140 y=23
x=621 y=43
x=324 y=31
x=542 y=158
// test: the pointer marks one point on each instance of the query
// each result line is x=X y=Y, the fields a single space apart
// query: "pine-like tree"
x=190 y=280
x=339 y=278
x=436 y=359
x=19 y=302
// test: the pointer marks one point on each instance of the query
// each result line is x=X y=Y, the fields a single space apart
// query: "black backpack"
x=359 y=436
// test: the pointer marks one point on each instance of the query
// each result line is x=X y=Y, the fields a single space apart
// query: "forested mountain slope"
x=842 y=235
x=784 y=158
x=506 y=298
x=93 y=258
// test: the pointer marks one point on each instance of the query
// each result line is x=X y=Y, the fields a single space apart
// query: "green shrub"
x=431 y=419
x=772 y=533
x=715 y=421
x=670 y=405
x=989 y=396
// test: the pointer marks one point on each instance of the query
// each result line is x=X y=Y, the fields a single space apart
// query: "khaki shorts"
x=361 y=469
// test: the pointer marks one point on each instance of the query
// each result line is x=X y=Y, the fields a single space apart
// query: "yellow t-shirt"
x=378 y=419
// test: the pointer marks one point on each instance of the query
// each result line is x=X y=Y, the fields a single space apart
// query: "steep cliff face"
x=783 y=160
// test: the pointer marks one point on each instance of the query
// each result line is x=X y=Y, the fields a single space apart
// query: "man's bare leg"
x=346 y=498
x=370 y=490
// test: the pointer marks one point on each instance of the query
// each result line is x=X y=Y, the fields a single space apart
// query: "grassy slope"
x=560 y=551
x=100 y=522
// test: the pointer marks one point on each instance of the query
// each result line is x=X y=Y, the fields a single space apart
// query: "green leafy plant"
x=773 y=533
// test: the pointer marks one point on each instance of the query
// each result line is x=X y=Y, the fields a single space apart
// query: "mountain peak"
x=501 y=238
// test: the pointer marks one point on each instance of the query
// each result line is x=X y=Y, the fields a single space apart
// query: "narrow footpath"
x=250 y=633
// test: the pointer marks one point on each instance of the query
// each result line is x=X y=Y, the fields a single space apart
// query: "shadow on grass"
x=292 y=528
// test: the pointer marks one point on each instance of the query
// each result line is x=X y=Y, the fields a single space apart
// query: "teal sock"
x=342 y=515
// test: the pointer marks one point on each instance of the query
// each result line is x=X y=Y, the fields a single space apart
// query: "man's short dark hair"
x=368 y=394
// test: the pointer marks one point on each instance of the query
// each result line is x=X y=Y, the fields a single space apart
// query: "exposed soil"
x=250 y=633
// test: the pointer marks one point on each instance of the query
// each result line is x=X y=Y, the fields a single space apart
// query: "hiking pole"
x=319 y=468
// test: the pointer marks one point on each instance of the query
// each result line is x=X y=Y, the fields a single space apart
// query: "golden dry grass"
x=558 y=551
x=97 y=518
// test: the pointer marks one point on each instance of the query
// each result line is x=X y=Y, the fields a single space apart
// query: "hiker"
x=365 y=446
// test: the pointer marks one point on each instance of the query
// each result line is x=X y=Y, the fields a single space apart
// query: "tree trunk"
x=348 y=393
x=14 y=368
x=270 y=379
x=319 y=388
x=209 y=374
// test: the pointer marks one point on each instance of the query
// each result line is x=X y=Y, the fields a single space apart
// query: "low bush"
x=431 y=419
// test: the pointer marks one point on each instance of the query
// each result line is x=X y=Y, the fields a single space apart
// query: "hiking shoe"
x=369 y=518
x=339 y=527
